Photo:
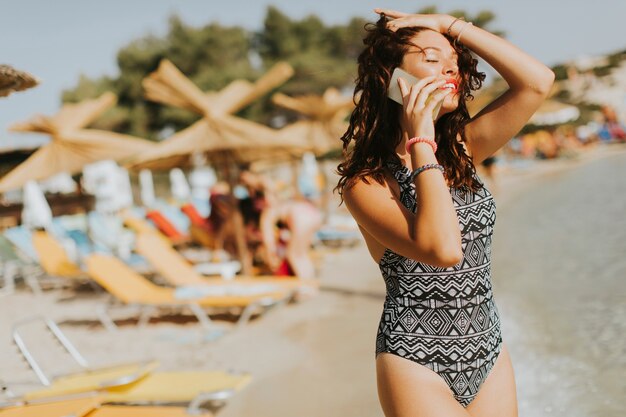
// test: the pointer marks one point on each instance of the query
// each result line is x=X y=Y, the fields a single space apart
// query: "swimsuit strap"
x=402 y=174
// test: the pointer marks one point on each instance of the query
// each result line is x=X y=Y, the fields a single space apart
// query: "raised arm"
x=432 y=234
x=529 y=82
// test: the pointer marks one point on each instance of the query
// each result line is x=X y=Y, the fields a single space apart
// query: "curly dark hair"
x=375 y=130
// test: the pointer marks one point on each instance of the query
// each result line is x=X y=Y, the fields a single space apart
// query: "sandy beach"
x=558 y=268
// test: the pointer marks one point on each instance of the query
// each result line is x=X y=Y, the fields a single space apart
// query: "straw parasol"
x=223 y=137
x=12 y=80
x=72 y=146
x=323 y=119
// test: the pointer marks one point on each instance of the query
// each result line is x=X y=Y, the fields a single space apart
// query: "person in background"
x=286 y=228
x=611 y=128
x=226 y=227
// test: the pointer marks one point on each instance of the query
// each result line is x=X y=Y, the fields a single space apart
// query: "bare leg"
x=241 y=244
x=497 y=396
x=303 y=221
x=408 y=389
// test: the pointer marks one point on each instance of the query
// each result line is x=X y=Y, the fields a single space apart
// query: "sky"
x=59 y=40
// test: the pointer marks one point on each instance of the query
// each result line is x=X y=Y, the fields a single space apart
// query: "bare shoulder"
x=386 y=223
x=367 y=190
x=370 y=203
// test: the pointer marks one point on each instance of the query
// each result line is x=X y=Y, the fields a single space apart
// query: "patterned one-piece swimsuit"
x=445 y=318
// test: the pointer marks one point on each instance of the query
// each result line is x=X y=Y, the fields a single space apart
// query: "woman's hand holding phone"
x=419 y=102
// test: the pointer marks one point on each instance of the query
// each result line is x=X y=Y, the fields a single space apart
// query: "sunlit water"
x=559 y=278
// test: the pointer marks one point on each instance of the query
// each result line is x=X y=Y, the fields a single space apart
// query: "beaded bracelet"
x=423 y=168
x=417 y=139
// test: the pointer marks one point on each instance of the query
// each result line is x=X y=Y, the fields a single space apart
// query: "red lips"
x=452 y=81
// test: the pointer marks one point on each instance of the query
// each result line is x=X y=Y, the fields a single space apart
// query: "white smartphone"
x=394 y=89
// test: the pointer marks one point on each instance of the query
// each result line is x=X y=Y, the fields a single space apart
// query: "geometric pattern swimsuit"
x=445 y=318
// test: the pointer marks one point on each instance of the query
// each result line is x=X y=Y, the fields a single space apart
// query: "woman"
x=303 y=220
x=300 y=217
x=426 y=217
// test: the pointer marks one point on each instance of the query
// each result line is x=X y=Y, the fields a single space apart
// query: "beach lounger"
x=173 y=214
x=194 y=216
x=174 y=267
x=130 y=288
x=32 y=270
x=86 y=247
x=95 y=405
x=14 y=266
x=167 y=387
x=105 y=229
x=22 y=238
x=90 y=405
x=63 y=407
x=177 y=272
x=166 y=227
x=339 y=231
x=126 y=383
x=336 y=238
x=196 y=389
x=140 y=225
x=85 y=380
x=53 y=258
x=175 y=387
x=147 y=411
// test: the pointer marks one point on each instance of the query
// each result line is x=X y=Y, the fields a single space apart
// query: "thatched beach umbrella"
x=12 y=80
x=322 y=121
x=71 y=146
x=223 y=137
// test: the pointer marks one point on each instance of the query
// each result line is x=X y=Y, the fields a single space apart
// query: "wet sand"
x=558 y=280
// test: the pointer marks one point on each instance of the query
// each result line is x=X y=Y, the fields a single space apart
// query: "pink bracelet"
x=411 y=141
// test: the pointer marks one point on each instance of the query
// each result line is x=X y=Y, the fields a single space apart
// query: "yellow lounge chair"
x=90 y=406
x=132 y=383
x=115 y=376
x=178 y=272
x=177 y=386
x=173 y=387
x=75 y=407
x=146 y=411
x=53 y=257
x=139 y=225
x=130 y=288
x=88 y=379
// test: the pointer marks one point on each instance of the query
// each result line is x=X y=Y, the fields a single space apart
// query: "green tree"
x=214 y=55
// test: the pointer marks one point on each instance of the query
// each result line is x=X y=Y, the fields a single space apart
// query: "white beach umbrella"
x=110 y=184
x=179 y=186
x=36 y=212
x=146 y=186
x=60 y=183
